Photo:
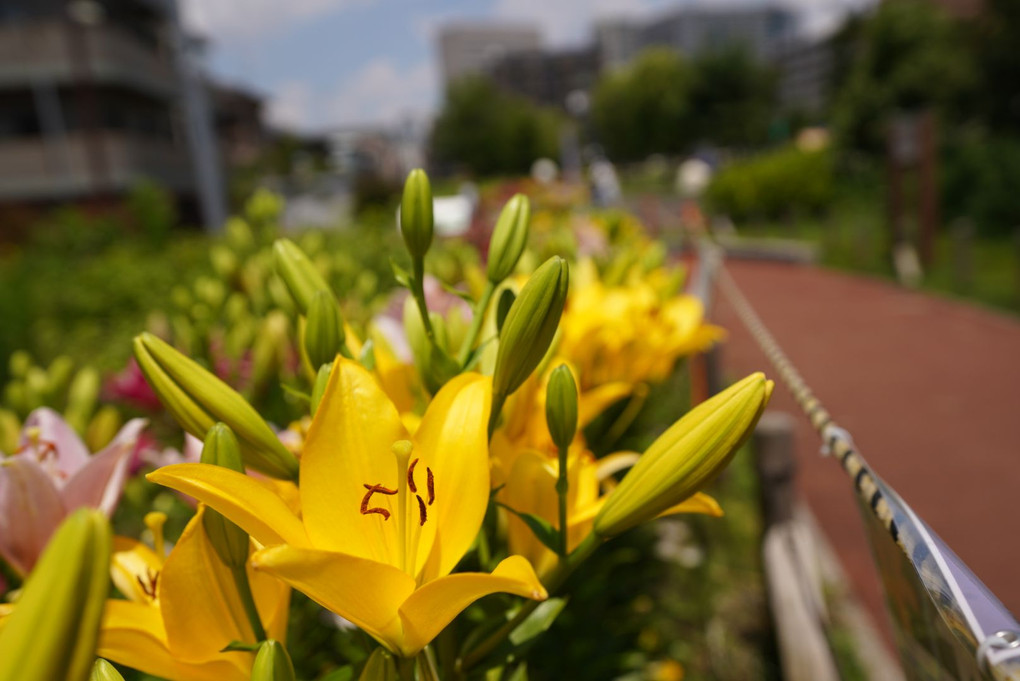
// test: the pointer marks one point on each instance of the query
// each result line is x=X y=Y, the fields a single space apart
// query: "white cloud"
x=252 y=19
x=379 y=93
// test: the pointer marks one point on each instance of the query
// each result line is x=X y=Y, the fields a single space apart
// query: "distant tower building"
x=470 y=48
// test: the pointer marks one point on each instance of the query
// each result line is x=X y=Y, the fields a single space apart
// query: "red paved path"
x=930 y=390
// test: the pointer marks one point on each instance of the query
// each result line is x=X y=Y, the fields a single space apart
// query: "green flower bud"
x=230 y=541
x=37 y=385
x=197 y=399
x=561 y=406
x=298 y=273
x=509 y=238
x=104 y=671
x=102 y=428
x=19 y=363
x=416 y=213
x=53 y=630
x=59 y=375
x=10 y=430
x=319 y=389
x=686 y=457
x=380 y=667
x=224 y=261
x=81 y=398
x=272 y=663
x=530 y=326
x=324 y=331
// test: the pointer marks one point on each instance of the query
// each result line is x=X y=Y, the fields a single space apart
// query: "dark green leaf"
x=240 y=645
x=542 y=528
x=538 y=622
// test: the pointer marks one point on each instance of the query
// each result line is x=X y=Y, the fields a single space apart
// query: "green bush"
x=774 y=185
x=979 y=182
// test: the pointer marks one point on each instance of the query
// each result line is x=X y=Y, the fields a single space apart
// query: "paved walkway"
x=930 y=390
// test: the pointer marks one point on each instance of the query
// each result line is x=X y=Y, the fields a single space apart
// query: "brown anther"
x=372 y=489
x=148 y=582
x=431 y=485
x=45 y=449
x=410 y=477
x=422 y=515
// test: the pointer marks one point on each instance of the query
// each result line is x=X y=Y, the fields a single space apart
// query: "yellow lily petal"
x=453 y=441
x=591 y=403
x=198 y=599
x=531 y=488
x=132 y=634
x=245 y=501
x=272 y=599
x=364 y=591
x=434 y=605
x=133 y=566
x=349 y=446
x=698 y=503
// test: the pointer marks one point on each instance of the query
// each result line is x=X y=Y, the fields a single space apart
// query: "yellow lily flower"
x=385 y=515
x=630 y=333
x=182 y=611
x=531 y=488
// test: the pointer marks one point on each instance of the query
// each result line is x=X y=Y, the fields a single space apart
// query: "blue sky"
x=328 y=63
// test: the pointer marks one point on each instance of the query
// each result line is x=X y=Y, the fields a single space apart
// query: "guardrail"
x=948 y=625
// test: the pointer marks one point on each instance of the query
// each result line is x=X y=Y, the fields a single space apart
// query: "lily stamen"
x=431 y=486
x=410 y=477
x=372 y=489
x=422 y=515
x=148 y=582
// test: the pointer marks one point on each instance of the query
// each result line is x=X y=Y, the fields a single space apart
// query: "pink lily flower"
x=51 y=474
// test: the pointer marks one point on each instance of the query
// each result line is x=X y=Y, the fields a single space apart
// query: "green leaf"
x=297 y=394
x=367 y=357
x=345 y=673
x=242 y=646
x=520 y=673
x=538 y=621
x=403 y=277
x=542 y=528
x=476 y=354
x=463 y=295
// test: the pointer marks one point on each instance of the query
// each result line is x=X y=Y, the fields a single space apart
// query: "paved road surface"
x=930 y=390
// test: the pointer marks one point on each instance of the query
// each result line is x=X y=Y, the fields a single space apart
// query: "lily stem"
x=248 y=601
x=561 y=492
x=476 y=323
x=405 y=668
x=418 y=291
x=563 y=570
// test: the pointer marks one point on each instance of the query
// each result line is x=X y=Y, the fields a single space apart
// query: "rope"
x=837 y=441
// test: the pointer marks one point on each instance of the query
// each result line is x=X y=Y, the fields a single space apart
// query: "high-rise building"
x=95 y=96
x=547 y=77
x=466 y=49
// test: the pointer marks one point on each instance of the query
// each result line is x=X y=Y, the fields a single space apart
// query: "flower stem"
x=418 y=291
x=563 y=570
x=405 y=668
x=248 y=601
x=561 y=493
x=476 y=323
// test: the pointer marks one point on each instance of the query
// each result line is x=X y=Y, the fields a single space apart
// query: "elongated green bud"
x=530 y=326
x=686 y=457
x=298 y=273
x=10 y=429
x=380 y=667
x=104 y=671
x=81 y=398
x=19 y=363
x=53 y=630
x=324 y=332
x=197 y=399
x=416 y=213
x=103 y=427
x=561 y=406
x=59 y=375
x=319 y=389
x=509 y=238
x=230 y=541
x=272 y=663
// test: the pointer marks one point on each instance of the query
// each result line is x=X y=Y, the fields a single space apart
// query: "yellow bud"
x=530 y=326
x=10 y=429
x=197 y=399
x=509 y=238
x=324 y=331
x=230 y=541
x=104 y=671
x=561 y=406
x=272 y=663
x=686 y=457
x=298 y=273
x=416 y=213
x=53 y=630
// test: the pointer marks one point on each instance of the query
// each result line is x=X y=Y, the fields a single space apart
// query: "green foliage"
x=645 y=108
x=488 y=132
x=774 y=184
x=153 y=211
x=995 y=40
x=732 y=97
x=912 y=57
x=980 y=182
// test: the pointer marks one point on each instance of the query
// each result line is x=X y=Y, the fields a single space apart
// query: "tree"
x=645 y=108
x=732 y=97
x=488 y=132
x=913 y=56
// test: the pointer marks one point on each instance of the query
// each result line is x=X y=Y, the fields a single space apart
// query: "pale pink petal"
x=57 y=440
x=99 y=483
x=30 y=510
x=192 y=449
